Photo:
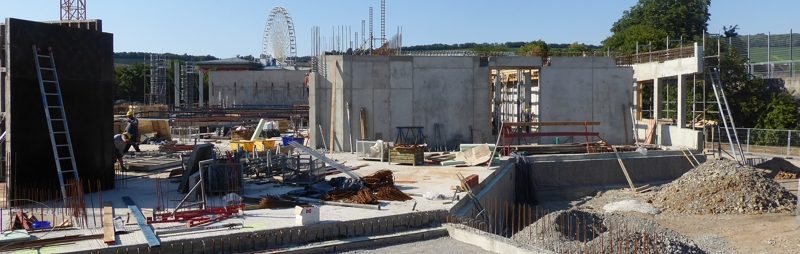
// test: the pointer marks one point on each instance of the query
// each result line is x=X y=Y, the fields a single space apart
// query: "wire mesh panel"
x=372 y=150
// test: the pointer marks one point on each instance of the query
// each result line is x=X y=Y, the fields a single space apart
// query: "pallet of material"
x=407 y=155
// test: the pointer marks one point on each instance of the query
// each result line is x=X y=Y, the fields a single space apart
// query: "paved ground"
x=435 y=246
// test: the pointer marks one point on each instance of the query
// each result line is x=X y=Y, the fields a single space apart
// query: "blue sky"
x=228 y=28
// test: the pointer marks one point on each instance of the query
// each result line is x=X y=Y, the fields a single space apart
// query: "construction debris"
x=574 y=231
x=785 y=175
x=368 y=190
x=724 y=187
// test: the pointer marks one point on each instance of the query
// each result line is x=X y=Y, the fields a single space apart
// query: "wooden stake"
x=624 y=170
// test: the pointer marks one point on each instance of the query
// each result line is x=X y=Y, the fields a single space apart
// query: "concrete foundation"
x=569 y=177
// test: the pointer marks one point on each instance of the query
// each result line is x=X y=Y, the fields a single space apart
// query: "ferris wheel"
x=279 y=39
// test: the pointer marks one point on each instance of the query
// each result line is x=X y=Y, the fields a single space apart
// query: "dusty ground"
x=761 y=233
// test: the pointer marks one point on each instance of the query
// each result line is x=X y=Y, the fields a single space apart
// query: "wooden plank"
x=650 y=132
x=108 y=224
x=624 y=170
x=555 y=123
x=147 y=231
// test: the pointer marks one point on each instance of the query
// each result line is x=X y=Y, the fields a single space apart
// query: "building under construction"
x=372 y=147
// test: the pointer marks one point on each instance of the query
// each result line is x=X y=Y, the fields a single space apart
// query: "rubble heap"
x=575 y=231
x=724 y=187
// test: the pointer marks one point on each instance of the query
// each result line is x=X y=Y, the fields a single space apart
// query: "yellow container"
x=270 y=143
x=245 y=144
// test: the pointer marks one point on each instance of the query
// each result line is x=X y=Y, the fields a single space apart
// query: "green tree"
x=534 y=48
x=781 y=113
x=129 y=82
x=655 y=20
x=576 y=47
x=626 y=40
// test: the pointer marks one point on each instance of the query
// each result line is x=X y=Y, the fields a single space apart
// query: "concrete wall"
x=566 y=177
x=587 y=89
x=455 y=92
x=791 y=84
x=671 y=136
x=403 y=91
x=258 y=88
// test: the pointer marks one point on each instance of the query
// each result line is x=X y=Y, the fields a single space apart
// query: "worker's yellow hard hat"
x=130 y=112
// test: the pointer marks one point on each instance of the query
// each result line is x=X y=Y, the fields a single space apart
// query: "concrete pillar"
x=200 y=88
x=681 y=120
x=636 y=101
x=210 y=88
x=498 y=117
x=527 y=85
x=176 y=83
x=657 y=99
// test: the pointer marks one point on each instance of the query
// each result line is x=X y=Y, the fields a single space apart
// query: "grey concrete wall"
x=455 y=92
x=403 y=91
x=262 y=87
x=587 y=89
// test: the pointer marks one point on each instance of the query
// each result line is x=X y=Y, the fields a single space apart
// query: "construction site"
x=374 y=149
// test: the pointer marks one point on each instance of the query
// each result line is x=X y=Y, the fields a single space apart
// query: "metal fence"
x=770 y=55
x=760 y=141
x=656 y=56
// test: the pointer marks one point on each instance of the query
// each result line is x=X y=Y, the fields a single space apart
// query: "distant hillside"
x=129 y=58
x=472 y=45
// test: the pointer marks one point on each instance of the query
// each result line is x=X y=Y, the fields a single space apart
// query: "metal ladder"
x=56 y=119
x=725 y=115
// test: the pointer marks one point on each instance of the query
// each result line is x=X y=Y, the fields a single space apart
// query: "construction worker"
x=133 y=130
x=120 y=143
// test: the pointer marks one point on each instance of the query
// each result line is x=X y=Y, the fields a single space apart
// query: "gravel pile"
x=575 y=231
x=724 y=187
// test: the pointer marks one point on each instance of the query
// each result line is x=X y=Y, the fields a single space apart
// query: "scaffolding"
x=188 y=84
x=156 y=94
x=73 y=10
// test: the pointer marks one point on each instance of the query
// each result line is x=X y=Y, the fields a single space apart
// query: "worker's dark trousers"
x=135 y=143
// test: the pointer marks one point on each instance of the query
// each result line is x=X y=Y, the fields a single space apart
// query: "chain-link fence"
x=758 y=141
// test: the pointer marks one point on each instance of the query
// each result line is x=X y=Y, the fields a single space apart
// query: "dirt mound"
x=575 y=231
x=724 y=187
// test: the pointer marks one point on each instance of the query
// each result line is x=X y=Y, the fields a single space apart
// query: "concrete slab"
x=142 y=189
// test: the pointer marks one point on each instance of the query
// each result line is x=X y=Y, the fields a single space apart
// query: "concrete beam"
x=681 y=120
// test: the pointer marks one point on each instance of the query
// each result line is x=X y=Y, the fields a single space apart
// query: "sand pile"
x=724 y=187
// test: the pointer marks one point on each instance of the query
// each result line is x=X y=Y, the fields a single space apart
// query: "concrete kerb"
x=363 y=242
x=489 y=242
x=282 y=238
